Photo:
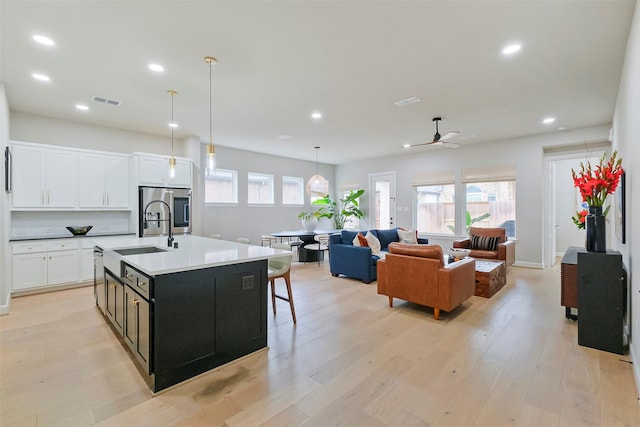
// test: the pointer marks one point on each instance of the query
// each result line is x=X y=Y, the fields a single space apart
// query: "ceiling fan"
x=438 y=139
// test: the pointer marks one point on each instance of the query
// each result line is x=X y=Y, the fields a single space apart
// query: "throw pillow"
x=373 y=243
x=484 y=242
x=407 y=236
x=362 y=241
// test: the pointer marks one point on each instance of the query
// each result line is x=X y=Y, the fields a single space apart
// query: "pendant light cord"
x=172 y=124
x=210 y=110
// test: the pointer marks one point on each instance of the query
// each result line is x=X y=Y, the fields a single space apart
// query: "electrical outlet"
x=247 y=283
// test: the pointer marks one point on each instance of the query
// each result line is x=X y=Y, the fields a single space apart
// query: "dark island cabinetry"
x=205 y=318
x=179 y=325
x=602 y=301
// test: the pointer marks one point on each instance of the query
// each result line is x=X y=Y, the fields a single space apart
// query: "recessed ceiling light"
x=548 y=120
x=82 y=107
x=40 y=77
x=173 y=125
x=43 y=40
x=407 y=101
x=511 y=49
x=406 y=146
x=562 y=128
x=156 y=67
x=316 y=116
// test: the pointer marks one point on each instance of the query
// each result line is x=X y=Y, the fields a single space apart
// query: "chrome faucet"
x=146 y=222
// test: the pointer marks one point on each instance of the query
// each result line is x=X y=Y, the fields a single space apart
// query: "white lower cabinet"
x=29 y=270
x=86 y=265
x=39 y=264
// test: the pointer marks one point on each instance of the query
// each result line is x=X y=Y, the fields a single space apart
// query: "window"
x=434 y=194
x=260 y=189
x=490 y=197
x=292 y=190
x=435 y=208
x=221 y=186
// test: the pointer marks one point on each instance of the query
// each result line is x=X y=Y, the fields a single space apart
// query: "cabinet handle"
x=134 y=302
x=42 y=194
x=107 y=199
x=48 y=197
x=44 y=258
x=49 y=257
x=103 y=200
x=29 y=248
x=114 y=286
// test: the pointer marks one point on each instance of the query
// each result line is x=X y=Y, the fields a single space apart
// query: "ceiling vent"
x=106 y=101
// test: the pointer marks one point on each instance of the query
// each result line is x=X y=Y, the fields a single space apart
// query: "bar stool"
x=281 y=268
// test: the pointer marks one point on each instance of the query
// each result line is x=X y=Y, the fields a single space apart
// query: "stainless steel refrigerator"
x=155 y=204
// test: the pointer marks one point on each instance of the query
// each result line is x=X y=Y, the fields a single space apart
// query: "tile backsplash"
x=44 y=224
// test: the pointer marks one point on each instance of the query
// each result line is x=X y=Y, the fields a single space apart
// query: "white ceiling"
x=280 y=61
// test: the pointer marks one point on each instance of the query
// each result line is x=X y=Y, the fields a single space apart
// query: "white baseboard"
x=523 y=264
x=4 y=309
x=636 y=368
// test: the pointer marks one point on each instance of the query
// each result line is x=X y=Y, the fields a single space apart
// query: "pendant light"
x=317 y=184
x=211 y=149
x=172 y=125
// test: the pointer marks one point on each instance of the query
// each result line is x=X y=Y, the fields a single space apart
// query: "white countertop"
x=193 y=252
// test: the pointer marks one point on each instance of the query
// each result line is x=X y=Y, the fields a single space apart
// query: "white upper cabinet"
x=59 y=178
x=154 y=171
x=104 y=181
x=44 y=177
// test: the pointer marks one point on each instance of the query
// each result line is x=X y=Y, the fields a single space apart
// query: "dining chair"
x=281 y=268
x=268 y=240
x=321 y=245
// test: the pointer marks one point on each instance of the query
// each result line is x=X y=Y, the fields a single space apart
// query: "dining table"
x=306 y=237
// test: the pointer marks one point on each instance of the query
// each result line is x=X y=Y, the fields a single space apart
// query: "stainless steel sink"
x=139 y=251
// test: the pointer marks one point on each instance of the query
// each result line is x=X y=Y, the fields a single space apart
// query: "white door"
x=382 y=187
x=563 y=201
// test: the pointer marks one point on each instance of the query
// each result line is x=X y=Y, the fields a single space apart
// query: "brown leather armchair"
x=506 y=250
x=417 y=273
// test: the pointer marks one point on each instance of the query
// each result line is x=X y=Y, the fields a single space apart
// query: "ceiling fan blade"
x=449 y=135
x=450 y=144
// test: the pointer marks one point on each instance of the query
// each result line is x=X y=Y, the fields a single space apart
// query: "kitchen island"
x=183 y=311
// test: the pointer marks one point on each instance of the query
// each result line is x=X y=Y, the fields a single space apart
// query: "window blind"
x=489 y=174
x=433 y=178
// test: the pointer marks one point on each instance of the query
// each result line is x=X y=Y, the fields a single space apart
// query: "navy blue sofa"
x=357 y=261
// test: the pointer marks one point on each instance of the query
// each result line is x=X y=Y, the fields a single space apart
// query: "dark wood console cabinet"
x=602 y=301
x=569 y=281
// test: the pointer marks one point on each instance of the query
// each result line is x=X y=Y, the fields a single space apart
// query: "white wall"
x=526 y=153
x=47 y=130
x=627 y=141
x=254 y=221
x=4 y=207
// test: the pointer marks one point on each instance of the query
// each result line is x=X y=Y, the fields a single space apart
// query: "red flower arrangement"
x=579 y=218
x=596 y=184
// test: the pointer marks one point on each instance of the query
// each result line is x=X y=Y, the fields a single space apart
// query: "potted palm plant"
x=339 y=215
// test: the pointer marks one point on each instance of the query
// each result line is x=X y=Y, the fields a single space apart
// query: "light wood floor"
x=512 y=359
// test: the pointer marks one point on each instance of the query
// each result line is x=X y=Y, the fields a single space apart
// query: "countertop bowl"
x=79 y=230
